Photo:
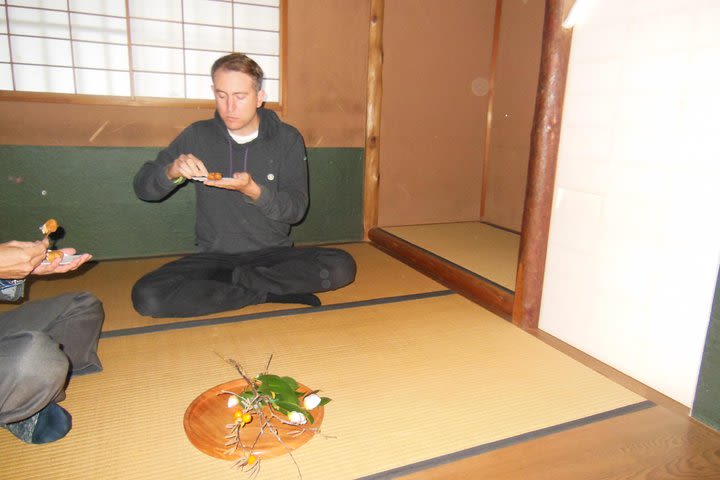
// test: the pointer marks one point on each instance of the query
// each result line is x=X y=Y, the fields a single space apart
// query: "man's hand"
x=187 y=166
x=19 y=259
x=241 y=182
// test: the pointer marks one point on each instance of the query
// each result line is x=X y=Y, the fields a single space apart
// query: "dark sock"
x=51 y=423
x=303 y=298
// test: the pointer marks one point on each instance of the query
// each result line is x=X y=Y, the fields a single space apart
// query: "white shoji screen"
x=133 y=48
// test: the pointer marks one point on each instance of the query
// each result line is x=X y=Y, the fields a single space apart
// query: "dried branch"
x=267 y=367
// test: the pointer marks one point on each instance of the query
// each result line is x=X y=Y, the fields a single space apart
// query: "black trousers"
x=205 y=283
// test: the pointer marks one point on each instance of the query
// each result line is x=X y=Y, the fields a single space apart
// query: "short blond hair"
x=239 y=62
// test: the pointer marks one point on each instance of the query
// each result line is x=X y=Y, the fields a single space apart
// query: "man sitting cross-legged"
x=243 y=219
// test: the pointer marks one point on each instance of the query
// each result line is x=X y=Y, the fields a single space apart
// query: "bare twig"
x=267 y=367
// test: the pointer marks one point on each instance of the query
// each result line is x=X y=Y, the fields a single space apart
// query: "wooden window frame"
x=139 y=101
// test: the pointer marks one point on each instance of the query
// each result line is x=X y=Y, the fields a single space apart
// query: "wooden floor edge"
x=509 y=442
x=481 y=291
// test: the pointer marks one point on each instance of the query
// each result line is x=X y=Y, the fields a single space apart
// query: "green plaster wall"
x=706 y=407
x=89 y=191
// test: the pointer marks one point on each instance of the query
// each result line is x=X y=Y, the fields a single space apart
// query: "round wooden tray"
x=207 y=417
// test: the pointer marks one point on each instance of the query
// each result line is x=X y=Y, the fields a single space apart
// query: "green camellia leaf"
x=289 y=397
x=290 y=382
x=268 y=379
x=281 y=410
x=264 y=389
x=285 y=392
x=282 y=386
x=324 y=400
x=309 y=417
x=276 y=380
x=288 y=406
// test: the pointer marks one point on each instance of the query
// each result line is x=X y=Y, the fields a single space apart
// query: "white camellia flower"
x=297 y=418
x=233 y=401
x=311 y=401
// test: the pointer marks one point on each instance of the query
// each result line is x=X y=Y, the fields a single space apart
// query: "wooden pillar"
x=491 y=103
x=544 y=143
x=372 y=127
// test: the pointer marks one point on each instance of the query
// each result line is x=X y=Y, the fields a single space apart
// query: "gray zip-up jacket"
x=229 y=221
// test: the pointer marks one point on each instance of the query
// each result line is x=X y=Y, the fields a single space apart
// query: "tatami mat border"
x=507 y=442
x=414 y=467
x=448 y=262
x=203 y=322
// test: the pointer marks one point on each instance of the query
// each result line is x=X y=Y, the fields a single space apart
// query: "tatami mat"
x=410 y=381
x=112 y=282
x=487 y=251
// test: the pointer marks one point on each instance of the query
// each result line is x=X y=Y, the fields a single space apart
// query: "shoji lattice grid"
x=133 y=48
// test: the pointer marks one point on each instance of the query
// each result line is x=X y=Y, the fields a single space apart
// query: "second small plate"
x=67 y=258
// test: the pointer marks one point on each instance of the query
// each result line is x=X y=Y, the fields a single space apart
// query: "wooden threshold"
x=653 y=443
x=482 y=291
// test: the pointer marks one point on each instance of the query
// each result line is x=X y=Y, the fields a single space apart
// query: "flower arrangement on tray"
x=277 y=406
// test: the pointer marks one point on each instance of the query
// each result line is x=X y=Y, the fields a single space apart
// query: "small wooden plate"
x=207 y=417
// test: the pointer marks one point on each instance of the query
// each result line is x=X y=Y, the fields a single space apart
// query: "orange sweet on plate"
x=52 y=255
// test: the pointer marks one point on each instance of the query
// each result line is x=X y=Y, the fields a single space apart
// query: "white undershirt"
x=244 y=138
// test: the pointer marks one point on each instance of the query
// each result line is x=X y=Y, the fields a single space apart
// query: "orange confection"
x=52 y=255
x=49 y=227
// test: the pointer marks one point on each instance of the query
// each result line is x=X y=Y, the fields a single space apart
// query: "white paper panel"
x=248 y=41
x=4 y=49
x=208 y=12
x=103 y=7
x=157 y=59
x=159 y=9
x=263 y=18
x=54 y=4
x=30 y=78
x=41 y=50
x=161 y=34
x=101 y=55
x=164 y=85
x=26 y=21
x=103 y=82
x=208 y=38
x=98 y=28
x=5 y=77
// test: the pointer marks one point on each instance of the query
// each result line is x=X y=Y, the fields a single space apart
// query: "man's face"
x=237 y=101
